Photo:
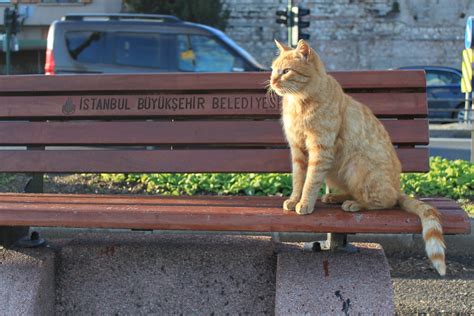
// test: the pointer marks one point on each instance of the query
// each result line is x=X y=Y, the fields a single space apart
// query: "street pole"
x=466 y=107
x=472 y=144
x=8 y=35
x=8 y=51
x=290 y=23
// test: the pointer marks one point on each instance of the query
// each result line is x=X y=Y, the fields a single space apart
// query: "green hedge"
x=448 y=178
x=454 y=179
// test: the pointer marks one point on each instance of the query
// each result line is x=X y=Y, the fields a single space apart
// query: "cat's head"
x=294 y=69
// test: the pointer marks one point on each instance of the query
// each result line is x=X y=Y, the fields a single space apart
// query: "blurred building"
x=362 y=34
x=38 y=16
x=348 y=34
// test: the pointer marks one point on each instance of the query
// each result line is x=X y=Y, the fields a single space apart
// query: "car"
x=140 y=43
x=443 y=89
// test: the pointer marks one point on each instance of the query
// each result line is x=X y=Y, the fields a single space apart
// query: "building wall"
x=360 y=34
x=43 y=13
x=30 y=58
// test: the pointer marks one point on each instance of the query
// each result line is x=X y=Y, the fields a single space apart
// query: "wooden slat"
x=248 y=201
x=380 y=79
x=394 y=104
x=176 y=132
x=228 y=214
x=386 y=104
x=196 y=160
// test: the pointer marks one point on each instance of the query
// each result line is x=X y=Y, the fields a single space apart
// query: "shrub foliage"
x=208 y=12
x=453 y=179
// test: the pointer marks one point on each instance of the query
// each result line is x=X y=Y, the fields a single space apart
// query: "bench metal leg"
x=10 y=235
x=35 y=184
x=19 y=236
x=32 y=241
x=334 y=242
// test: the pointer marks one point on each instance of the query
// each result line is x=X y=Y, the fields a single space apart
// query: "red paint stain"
x=108 y=251
x=326 y=267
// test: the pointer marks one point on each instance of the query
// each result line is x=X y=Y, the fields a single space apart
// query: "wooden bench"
x=193 y=123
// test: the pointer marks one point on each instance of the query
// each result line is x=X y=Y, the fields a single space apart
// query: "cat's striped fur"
x=337 y=139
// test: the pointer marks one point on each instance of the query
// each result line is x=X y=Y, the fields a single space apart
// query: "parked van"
x=138 y=43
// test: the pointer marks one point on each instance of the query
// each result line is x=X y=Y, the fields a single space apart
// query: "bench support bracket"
x=10 y=235
x=334 y=242
x=18 y=236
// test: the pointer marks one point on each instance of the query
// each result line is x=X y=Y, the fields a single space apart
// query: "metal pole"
x=7 y=53
x=472 y=142
x=8 y=30
x=290 y=22
x=466 y=107
x=471 y=114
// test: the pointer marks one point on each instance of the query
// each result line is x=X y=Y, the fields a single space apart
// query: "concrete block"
x=27 y=282
x=334 y=283
x=166 y=275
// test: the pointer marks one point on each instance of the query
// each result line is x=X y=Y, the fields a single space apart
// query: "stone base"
x=27 y=282
x=166 y=275
x=191 y=274
x=334 y=283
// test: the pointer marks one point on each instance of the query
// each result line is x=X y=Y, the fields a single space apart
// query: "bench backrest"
x=181 y=122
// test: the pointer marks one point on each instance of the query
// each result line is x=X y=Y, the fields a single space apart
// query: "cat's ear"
x=304 y=49
x=281 y=47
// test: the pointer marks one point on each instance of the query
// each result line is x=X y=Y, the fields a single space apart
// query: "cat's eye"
x=283 y=71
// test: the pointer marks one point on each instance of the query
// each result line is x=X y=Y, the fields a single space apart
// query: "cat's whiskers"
x=271 y=94
x=267 y=83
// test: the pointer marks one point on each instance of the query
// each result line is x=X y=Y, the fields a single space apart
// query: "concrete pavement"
x=451 y=148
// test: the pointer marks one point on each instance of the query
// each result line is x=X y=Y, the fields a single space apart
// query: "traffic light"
x=282 y=17
x=7 y=16
x=15 y=22
x=302 y=24
x=292 y=18
x=11 y=20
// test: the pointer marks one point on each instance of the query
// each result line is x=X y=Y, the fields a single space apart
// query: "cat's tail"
x=432 y=230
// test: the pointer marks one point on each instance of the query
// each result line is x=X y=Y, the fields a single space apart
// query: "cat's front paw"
x=351 y=206
x=303 y=209
x=289 y=205
x=329 y=199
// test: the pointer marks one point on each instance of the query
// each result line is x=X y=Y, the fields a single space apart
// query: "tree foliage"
x=208 y=12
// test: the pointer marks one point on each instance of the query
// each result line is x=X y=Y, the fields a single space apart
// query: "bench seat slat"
x=192 y=160
x=380 y=79
x=178 y=132
x=196 y=200
x=262 y=214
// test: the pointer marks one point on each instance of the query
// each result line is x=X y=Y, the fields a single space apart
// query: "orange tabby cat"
x=335 y=138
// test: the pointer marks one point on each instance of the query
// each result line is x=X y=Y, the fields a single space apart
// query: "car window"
x=88 y=47
x=144 y=50
x=187 y=59
x=204 y=54
x=441 y=78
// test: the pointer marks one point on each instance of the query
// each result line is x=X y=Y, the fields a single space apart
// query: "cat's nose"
x=274 y=80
